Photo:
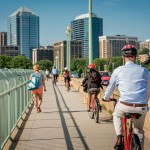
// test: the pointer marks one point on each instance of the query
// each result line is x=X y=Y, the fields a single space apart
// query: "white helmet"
x=66 y=68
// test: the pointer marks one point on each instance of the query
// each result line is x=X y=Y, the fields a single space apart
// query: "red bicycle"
x=95 y=105
x=130 y=139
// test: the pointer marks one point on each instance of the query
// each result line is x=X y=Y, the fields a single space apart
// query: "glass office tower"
x=23 y=31
x=80 y=31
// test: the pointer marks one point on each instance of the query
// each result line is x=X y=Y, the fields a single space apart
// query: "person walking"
x=38 y=93
x=47 y=74
x=133 y=82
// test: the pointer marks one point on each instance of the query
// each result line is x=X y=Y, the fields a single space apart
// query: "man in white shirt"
x=133 y=82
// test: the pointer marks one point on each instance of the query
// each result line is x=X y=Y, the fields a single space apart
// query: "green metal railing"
x=14 y=99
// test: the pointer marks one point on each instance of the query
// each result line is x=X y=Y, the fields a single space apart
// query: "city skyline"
x=128 y=17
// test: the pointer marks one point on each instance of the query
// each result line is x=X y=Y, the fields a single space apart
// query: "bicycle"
x=130 y=140
x=67 y=85
x=95 y=104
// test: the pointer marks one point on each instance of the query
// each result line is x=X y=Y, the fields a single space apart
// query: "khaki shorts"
x=38 y=91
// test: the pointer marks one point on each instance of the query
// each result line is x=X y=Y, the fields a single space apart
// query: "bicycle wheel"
x=97 y=110
x=91 y=112
x=135 y=143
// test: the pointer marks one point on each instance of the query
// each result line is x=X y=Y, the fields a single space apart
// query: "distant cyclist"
x=92 y=80
x=66 y=75
x=55 y=74
x=133 y=82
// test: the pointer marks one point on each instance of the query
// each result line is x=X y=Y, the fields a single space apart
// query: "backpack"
x=85 y=86
x=33 y=83
x=93 y=77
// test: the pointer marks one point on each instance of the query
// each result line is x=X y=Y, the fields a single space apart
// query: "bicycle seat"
x=132 y=115
x=97 y=90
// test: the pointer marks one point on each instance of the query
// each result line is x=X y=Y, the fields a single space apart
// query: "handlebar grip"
x=113 y=99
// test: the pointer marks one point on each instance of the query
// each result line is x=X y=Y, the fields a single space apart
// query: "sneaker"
x=119 y=143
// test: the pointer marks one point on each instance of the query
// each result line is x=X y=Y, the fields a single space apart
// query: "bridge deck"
x=63 y=124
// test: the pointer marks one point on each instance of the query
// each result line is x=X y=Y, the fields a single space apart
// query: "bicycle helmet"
x=129 y=50
x=92 y=66
x=66 y=68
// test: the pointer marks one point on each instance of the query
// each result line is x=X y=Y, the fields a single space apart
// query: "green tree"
x=5 y=61
x=80 y=65
x=143 y=51
x=21 y=62
x=45 y=64
x=100 y=62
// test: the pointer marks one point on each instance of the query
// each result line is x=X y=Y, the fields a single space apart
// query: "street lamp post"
x=68 y=33
x=61 y=58
x=58 y=59
x=90 y=33
x=57 y=62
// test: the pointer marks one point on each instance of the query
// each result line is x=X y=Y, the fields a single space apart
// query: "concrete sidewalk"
x=63 y=124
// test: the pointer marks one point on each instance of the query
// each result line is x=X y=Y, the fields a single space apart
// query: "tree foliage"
x=45 y=64
x=5 y=61
x=21 y=62
x=143 y=51
x=79 y=65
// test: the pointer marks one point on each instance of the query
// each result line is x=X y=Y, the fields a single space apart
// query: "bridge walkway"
x=63 y=124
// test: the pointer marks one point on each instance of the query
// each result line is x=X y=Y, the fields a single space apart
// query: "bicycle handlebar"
x=113 y=99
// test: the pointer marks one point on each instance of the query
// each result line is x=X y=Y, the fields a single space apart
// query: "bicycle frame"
x=95 y=107
x=127 y=134
x=67 y=84
x=93 y=101
x=129 y=138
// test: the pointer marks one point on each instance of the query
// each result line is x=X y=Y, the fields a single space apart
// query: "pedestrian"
x=38 y=93
x=133 y=82
x=47 y=74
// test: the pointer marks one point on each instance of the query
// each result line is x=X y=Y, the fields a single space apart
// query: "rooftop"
x=21 y=10
x=84 y=16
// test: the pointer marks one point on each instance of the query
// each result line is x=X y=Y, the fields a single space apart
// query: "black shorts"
x=67 y=78
x=55 y=76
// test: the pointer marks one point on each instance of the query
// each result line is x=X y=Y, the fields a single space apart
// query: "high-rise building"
x=110 y=46
x=3 y=38
x=23 y=31
x=80 y=31
x=42 y=53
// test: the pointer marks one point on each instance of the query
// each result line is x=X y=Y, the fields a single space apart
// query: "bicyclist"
x=55 y=73
x=66 y=75
x=93 y=80
x=133 y=82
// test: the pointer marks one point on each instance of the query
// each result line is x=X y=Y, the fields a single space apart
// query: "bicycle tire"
x=96 y=114
x=90 y=112
x=135 y=144
x=96 y=111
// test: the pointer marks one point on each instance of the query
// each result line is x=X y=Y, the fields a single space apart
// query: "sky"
x=128 y=17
